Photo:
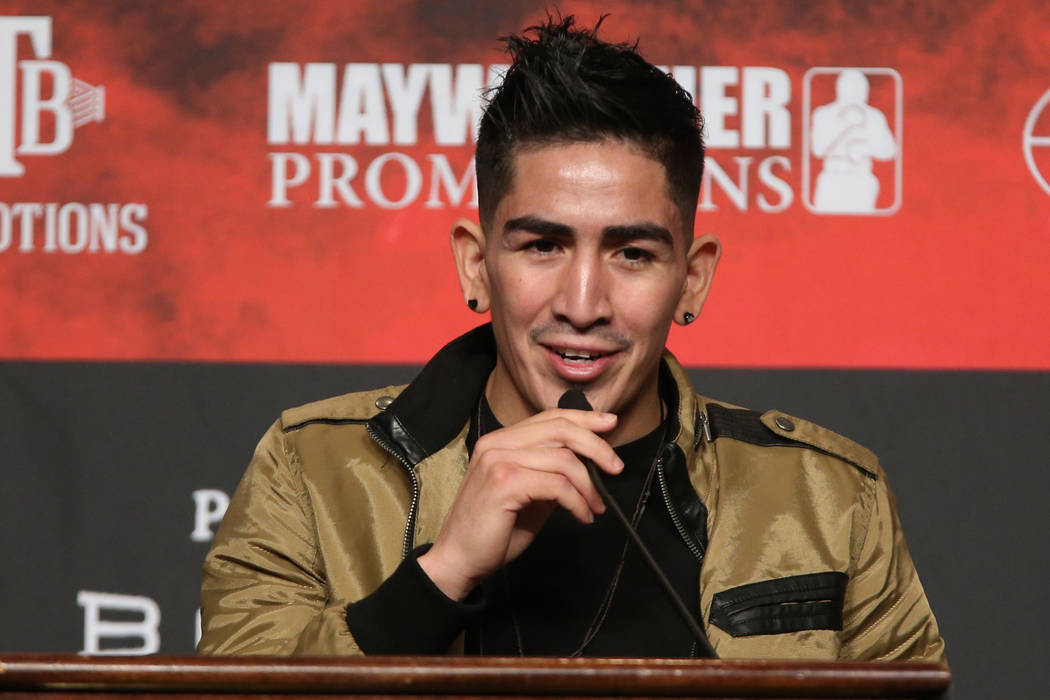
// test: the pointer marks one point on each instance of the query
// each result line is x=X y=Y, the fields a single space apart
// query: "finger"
x=554 y=460
x=559 y=430
x=535 y=486
x=595 y=421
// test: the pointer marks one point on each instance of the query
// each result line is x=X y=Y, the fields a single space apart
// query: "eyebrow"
x=534 y=224
x=634 y=232
x=614 y=234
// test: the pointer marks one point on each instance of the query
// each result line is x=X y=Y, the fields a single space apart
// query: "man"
x=456 y=514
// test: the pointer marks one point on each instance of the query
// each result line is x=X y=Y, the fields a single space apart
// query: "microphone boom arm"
x=575 y=399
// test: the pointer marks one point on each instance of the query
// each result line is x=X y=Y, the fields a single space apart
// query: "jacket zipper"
x=705 y=426
x=690 y=542
x=410 y=526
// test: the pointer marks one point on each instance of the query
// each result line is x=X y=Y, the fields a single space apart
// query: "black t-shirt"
x=575 y=580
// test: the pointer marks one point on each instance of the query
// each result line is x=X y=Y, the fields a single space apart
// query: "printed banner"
x=218 y=181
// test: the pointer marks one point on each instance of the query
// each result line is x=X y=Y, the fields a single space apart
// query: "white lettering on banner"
x=295 y=104
x=33 y=105
x=330 y=182
x=97 y=629
x=362 y=110
x=374 y=180
x=776 y=184
x=443 y=177
x=405 y=93
x=766 y=120
x=745 y=108
x=72 y=102
x=336 y=172
x=302 y=103
x=455 y=106
x=280 y=180
x=717 y=105
x=685 y=76
x=210 y=506
x=738 y=189
x=765 y=94
x=74 y=228
x=39 y=31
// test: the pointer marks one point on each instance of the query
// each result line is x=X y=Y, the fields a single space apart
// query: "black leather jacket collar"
x=433 y=409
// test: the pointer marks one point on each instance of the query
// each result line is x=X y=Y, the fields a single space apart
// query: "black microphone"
x=576 y=399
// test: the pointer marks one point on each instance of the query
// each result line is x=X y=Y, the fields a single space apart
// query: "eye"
x=542 y=245
x=636 y=255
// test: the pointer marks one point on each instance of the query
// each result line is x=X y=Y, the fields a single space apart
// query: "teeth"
x=575 y=356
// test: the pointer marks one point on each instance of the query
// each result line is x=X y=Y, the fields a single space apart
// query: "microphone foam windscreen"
x=575 y=399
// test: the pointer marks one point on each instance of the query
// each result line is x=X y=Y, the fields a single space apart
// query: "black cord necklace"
x=610 y=591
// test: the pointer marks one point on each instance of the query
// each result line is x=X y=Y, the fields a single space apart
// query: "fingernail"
x=618 y=464
x=609 y=416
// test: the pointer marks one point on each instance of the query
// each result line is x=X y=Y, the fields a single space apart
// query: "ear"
x=701 y=261
x=468 y=248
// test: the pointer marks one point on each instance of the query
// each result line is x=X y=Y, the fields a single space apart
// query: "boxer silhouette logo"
x=851 y=160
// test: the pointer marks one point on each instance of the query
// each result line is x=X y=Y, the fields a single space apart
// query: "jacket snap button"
x=383 y=401
x=781 y=422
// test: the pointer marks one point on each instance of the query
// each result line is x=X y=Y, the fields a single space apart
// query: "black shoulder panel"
x=745 y=426
x=748 y=426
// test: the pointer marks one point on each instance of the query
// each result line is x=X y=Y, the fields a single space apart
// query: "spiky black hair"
x=566 y=85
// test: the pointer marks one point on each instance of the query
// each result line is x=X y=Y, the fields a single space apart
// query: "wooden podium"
x=40 y=676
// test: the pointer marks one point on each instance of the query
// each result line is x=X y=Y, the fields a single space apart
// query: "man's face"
x=586 y=264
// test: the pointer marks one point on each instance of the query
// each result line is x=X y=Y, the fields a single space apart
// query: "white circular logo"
x=1032 y=141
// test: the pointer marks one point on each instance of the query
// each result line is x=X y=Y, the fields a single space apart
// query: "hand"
x=516 y=478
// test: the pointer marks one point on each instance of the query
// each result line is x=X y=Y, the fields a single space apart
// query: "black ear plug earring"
x=473 y=304
x=688 y=318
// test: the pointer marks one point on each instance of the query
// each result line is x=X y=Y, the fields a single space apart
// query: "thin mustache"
x=606 y=335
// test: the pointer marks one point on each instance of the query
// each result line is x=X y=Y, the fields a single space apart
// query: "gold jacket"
x=801 y=548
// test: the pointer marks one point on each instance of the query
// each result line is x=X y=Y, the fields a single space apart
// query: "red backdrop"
x=956 y=277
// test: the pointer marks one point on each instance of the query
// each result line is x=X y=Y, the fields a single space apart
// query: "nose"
x=582 y=297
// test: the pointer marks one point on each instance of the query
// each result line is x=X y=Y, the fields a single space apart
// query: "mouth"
x=578 y=356
x=576 y=365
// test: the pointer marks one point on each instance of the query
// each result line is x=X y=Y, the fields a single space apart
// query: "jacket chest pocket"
x=780 y=605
